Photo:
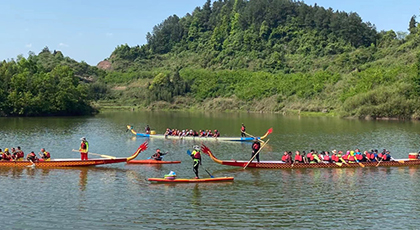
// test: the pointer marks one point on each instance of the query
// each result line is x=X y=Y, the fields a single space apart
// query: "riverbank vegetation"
x=263 y=56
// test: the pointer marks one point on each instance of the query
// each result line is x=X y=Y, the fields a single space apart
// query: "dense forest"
x=257 y=55
x=47 y=84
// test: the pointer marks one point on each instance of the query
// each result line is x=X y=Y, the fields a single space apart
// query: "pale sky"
x=89 y=30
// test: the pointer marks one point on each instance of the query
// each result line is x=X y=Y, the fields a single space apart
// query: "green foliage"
x=30 y=89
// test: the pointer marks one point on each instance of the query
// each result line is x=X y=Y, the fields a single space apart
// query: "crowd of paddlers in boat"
x=16 y=154
x=187 y=132
x=351 y=156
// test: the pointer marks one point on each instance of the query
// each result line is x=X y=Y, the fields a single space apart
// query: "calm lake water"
x=118 y=196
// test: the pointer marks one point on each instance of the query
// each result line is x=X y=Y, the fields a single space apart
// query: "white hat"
x=83 y=138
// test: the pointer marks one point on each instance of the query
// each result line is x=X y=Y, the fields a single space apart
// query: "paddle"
x=101 y=155
x=189 y=153
x=379 y=162
x=256 y=153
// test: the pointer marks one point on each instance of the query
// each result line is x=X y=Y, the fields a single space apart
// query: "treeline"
x=48 y=84
x=296 y=56
x=258 y=35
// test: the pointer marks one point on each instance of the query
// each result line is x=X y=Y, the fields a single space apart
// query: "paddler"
x=286 y=158
x=32 y=157
x=298 y=158
x=243 y=134
x=196 y=156
x=84 y=148
x=44 y=155
x=6 y=155
x=158 y=155
x=19 y=154
x=255 y=148
x=147 y=129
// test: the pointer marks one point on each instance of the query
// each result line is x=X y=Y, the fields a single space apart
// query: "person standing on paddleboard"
x=196 y=156
x=84 y=148
x=255 y=147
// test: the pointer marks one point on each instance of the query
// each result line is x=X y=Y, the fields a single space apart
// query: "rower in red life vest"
x=216 y=133
x=298 y=158
x=45 y=156
x=286 y=158
x=32 y=157
x=359 y=156
x=255 y=148
x=6 y=156
x=327 y=156
x=19 y=154
x=334 y=157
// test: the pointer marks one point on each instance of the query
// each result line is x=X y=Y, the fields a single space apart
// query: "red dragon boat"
x=54 y=163
x=282 y=165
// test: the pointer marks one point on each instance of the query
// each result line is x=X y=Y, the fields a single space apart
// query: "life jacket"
x=384 y=157
x=6 y=156
x=310 y=156
x=285 y=158
x=298 y=158
x=334 y=158
x=380 y=155
x=326 y=158
x=256 y=146
x=20 y=154
x=372 y=156
x=196 y=155
x=46 y=155
x=359 y=157
x=350 y=158
x=368 y=155
x=345 y=157
x=243 y=128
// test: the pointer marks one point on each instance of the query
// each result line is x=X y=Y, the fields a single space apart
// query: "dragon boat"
x=55 y=163
x=282 y=165
x=197 y=138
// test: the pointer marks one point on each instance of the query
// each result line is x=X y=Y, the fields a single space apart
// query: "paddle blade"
x=189 y=152
x=270 y=130
x=205 y=150
x=143 y=146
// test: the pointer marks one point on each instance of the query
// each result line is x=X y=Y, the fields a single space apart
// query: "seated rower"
x=147 y=129
x=18 y=155
x=44 y=155
x=158 y=155
x=216 y=133
x=6 y=156
x=334 y=157
x=32 y=157
x=327 y=157
x=386 y=156
x=298 y=158
x=286 y=158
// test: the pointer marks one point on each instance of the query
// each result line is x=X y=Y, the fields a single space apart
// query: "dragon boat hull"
x=197 y=138
x=184 y=180
x=57 y=163
x=152 y=162
x=282 y=165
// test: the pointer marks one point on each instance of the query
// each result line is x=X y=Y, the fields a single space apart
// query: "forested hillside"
x=257 y=55
x=273 y=55
x=48 y=84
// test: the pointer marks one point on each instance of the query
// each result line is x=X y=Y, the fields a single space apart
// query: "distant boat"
x=197 y=138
